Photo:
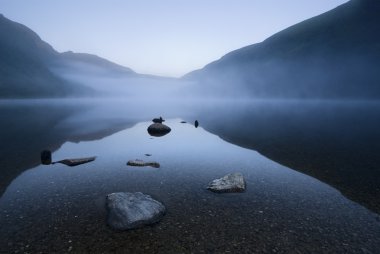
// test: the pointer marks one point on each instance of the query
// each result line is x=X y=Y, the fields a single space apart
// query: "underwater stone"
x=132 y=210
x=141 y=163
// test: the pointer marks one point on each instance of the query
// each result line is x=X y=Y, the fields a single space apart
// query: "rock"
x=141 y=163
x=158 y=120
x=75 y=162
x=158 y=129
x=196 y=123
x=229 y=183
x=46 y=157
x=132 y=210
x=148 y=154
x=183 y=121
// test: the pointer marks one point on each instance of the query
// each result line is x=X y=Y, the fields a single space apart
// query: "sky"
x=165 y=37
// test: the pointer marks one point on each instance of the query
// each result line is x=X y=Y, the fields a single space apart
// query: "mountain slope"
x=91 y=64
x=24 y=61
x=31 y=68
x=335 y=54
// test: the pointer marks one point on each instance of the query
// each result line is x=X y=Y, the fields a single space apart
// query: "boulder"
x=132 y=210
x=229 y=183
x=141 y=163
x=158 y=129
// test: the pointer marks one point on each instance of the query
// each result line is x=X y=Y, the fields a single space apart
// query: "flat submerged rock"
x=141 y=163
x=128 y=210
x=233 y=182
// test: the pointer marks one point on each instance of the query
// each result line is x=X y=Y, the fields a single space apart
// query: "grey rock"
x=141 y=163
x=132 y=210
x=158 y=129
x=229 y=183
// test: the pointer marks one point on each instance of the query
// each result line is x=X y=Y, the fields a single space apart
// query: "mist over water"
x=120 y=84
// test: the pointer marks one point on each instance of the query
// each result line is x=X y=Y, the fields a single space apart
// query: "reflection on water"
x=281 y=208
x=57 y=208
x=336 y=142
x=29 y=127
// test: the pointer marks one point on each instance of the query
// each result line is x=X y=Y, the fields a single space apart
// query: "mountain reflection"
x=335 y=142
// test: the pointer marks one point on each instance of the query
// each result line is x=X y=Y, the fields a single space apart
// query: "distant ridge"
x=69 y=57
x=31 y=68
x=333 y=55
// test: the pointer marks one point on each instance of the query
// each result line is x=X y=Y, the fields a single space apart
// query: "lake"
x=311 y=169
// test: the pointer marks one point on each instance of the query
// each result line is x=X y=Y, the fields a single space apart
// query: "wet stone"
x=46 y=157
x=158 y=120
x=158 y=129
x=132 y=210
x=76 y=162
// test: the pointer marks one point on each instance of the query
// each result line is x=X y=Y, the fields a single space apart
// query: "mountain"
x=333 y=55
x=31 y=68
x=24 y=62
x=90 y=64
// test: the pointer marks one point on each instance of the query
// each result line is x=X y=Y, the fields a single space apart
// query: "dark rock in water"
x=229 y=183
x=132 y=210
x=183 y=121
x=46 y=157
x=158 y=129
x=196 y=124
x=75 y=162
x=148 y=154
x=158 y=120
x=141 y=163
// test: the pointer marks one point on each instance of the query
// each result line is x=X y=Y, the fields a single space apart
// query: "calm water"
x=61 y=209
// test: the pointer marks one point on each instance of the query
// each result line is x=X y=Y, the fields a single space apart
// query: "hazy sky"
x=163 y=37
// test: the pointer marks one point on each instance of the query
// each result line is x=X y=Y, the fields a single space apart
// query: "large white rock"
x=132 y=210
x=229 y=183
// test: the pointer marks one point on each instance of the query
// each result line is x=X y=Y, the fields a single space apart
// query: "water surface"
x=57 y=208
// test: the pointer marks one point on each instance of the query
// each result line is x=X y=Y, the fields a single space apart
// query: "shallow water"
x=57 y=209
